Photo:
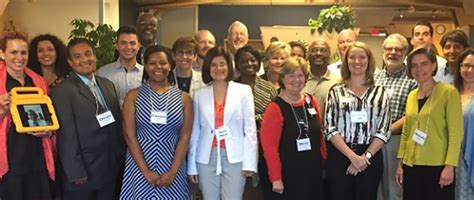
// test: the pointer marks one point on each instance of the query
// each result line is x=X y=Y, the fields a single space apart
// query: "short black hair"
x=126 y=30
x=456 y=36
x=247 y=49
x=76 y=41
x=61 y=67
x=206 y=66
x=428 y=52
x=422 y=23
x=154 y=49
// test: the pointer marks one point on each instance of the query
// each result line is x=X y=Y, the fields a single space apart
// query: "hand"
x=246 y=173
x=194 y=179
x=81 y=181
x=277 y=186
x=351 y=170
x=42 y=134
x=399 y=175
x=447 y=176
x=165 y=179
x=4 y=104
x=360 y=162
x=152 y=177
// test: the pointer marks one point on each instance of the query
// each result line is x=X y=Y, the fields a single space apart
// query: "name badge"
x=419 y=137
x=105 y=118
x=158 y=117
x=312 y=111
x=222 y=133
x=389 y=92
x=346 y=99
x=359 y=116
x=303 y=144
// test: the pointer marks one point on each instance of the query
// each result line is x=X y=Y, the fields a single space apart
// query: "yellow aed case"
x=32 y=110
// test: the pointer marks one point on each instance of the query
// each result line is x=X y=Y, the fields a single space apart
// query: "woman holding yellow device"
x=26 y=160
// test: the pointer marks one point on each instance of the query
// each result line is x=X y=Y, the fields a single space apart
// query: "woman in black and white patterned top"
x=357 y=125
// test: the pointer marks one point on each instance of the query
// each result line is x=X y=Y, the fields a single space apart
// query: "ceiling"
x=388 y=12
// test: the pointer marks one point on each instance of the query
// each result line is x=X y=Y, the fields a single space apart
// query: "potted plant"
x=103 y=38
x=335 y=18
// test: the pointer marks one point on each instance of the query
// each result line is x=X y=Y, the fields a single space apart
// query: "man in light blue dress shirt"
x=126 y=73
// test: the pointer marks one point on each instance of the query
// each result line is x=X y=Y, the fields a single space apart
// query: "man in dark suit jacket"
x=90 y=145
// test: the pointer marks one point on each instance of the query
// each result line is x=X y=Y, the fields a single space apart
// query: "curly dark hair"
x=61 y=67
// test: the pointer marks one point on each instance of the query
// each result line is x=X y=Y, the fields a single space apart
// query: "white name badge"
x=158 y=117
x=312 y=111
x=303 y=144
x=346 y=99
x=419 y=137
x=389 y=92
x=359 y=116
x=222 y=133
x=105 y=118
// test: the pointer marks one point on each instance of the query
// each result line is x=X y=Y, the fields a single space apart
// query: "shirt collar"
x=86 y=80
x=395 y=74
x=119 y=66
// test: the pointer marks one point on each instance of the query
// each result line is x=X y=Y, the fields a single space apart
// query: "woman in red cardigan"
x=292 y=138
x=26 y=160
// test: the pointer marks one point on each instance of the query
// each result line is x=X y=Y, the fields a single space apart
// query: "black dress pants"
x=422 y=183
x=342 y=186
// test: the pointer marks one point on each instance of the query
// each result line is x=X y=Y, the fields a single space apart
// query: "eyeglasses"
x=322 y=50
x=185 y=52
x=390 y=49
x=466 y=66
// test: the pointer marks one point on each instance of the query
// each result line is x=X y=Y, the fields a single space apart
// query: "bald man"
x=206 y=41
x=320 y=78
x=238 y=36
x=346 y=38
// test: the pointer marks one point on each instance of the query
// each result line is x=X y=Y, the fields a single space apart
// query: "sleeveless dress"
x=158 y=143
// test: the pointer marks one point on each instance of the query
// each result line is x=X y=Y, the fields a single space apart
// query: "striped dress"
x=158 y=143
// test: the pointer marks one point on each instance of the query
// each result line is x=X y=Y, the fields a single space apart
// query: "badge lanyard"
x=429 y=115
x=297 y=121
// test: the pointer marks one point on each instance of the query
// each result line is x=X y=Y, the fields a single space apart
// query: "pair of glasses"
x=185 y=52
x=466 y=66
x=390 y=49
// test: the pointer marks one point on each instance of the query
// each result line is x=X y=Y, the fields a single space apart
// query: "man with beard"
x=126 y=73
x=394 y=79
x=346 y=38
x=147 y=27
x=206 y=41
x=320 y=78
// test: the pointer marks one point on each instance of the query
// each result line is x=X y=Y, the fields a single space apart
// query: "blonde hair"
x=276 y=48
x=369 y=73
x=290 y=65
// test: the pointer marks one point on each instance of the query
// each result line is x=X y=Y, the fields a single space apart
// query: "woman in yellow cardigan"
x=432 y=133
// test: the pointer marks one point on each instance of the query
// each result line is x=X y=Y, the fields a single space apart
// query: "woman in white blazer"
x=223 y=148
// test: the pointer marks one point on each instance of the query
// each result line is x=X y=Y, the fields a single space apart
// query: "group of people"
x=159 y=121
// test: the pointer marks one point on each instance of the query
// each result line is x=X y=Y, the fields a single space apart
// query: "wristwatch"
x=368 y=155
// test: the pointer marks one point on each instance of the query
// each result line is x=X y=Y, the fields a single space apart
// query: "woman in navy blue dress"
x=157 y=121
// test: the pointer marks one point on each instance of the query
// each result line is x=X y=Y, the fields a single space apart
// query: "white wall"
x=177 y=23
x=53 y=16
